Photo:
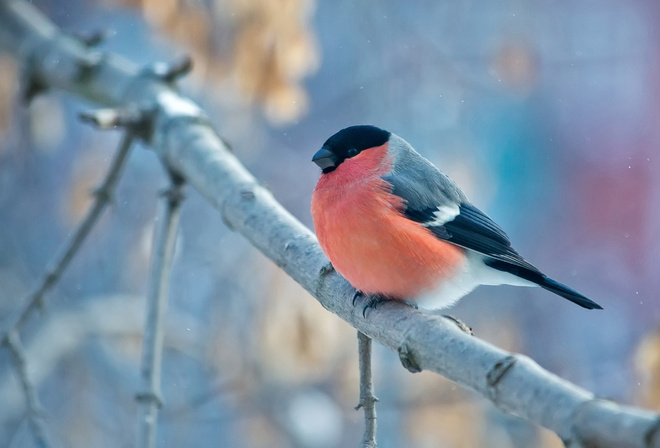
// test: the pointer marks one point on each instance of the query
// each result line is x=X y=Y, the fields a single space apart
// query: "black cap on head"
x=348 y=143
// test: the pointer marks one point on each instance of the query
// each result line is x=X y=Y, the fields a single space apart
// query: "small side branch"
x=15 y=347
x=152 y=352
x=57 y=266
x=367 y=397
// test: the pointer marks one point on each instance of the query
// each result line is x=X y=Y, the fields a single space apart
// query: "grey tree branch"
x=150 y=398
x=57 y=266
x=34 y=410
x=367 y=397
x=189 y=146
x=9 y=336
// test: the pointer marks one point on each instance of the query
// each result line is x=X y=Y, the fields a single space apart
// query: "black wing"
x=474 y=230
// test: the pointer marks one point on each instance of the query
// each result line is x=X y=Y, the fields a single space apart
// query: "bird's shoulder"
x=420 y=183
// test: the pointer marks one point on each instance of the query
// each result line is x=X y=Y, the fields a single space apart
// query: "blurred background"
x=545 y=112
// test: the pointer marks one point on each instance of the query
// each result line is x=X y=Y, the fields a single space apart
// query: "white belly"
x=473 y=274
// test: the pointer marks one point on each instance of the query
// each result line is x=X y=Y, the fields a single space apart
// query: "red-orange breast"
x=363 y=231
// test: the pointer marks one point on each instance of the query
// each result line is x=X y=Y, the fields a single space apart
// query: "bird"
x=397 y=228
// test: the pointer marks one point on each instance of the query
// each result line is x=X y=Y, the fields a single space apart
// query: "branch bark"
x=367 y=397
x=150 y=398
x=189 y=146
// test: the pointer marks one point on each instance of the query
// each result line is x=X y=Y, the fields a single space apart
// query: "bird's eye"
x=352 y=152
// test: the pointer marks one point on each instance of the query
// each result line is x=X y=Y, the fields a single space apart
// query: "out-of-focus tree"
x=265 y=48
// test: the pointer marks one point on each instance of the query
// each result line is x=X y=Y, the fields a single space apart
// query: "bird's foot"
x=373 y=302
x=464 y=328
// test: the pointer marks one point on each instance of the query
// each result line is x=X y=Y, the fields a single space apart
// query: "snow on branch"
x=187 y=144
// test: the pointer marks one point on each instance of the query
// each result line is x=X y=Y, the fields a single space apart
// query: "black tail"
x=545 y=283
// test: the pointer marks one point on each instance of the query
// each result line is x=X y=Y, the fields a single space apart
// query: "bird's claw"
x=358 y=293
x=373 y=302
x=376 y=300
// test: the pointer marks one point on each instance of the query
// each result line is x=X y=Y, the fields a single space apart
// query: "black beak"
x=325 y=159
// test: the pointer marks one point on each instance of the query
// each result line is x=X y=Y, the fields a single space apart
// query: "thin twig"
x=95 y=38
x=152 y=351
x=57 y=266
x=13 y=344
x=131 y=117
x=367 y=397
x=170 y=72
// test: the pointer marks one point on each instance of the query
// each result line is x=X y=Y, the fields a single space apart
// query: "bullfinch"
x=397 y=228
